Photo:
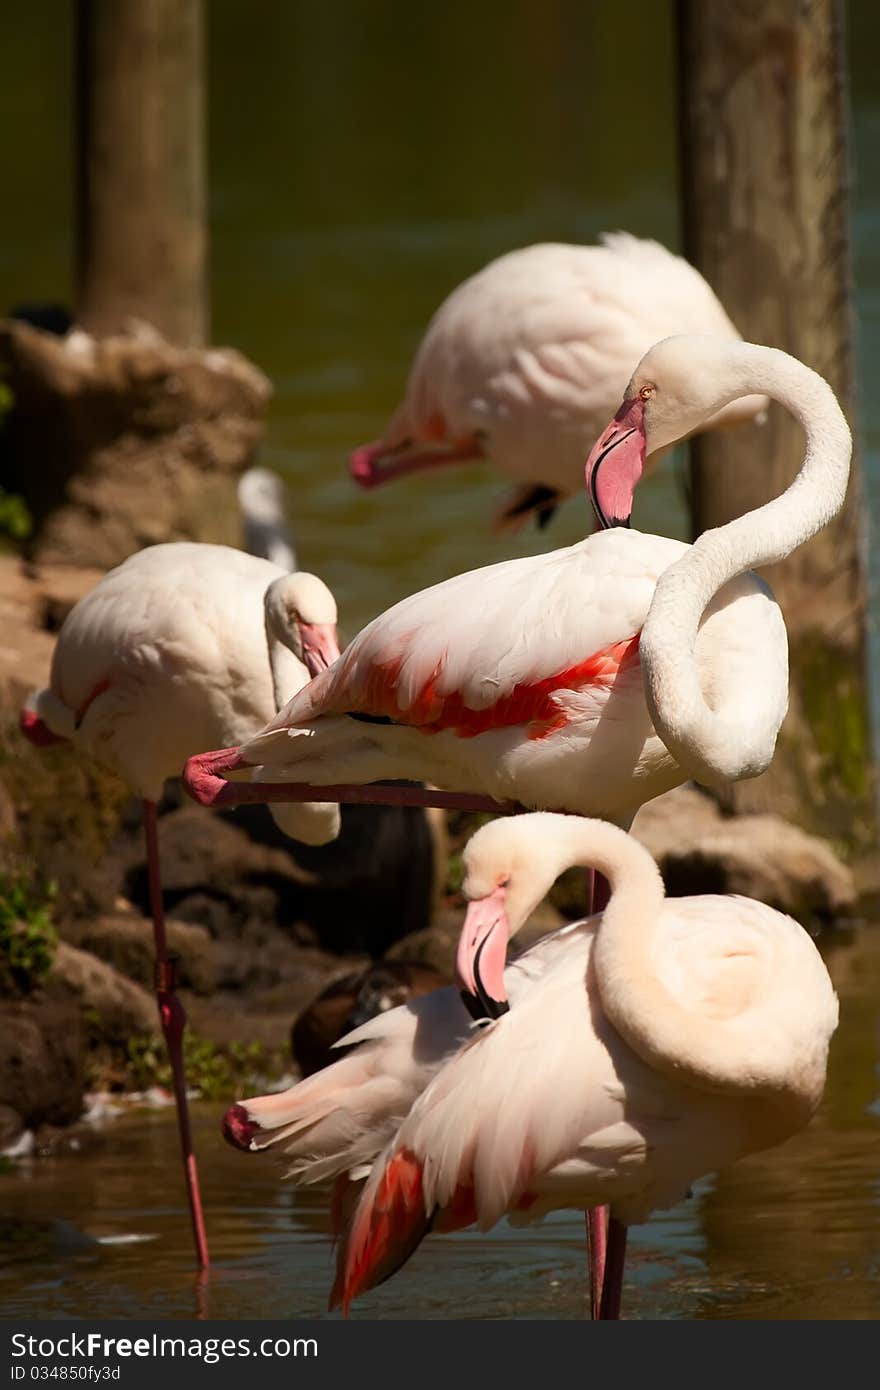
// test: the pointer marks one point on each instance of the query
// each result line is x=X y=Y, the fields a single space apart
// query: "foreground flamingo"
x=335 y=1122
x=181 y=645
x=525 y=361
x=589 y=679
x=669 y=1038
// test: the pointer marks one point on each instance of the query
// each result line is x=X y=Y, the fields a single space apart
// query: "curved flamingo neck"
x=280 y=638
x=728 y=1054
x=727 y=744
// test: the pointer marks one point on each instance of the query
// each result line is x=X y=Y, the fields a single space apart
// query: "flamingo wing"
x=489 y=649
x=531 y=1091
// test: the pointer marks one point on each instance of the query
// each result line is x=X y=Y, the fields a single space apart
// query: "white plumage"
x=525 y=361
x=335 y=1122
x=667 y=1038
x=170 y=653
x=589 y=679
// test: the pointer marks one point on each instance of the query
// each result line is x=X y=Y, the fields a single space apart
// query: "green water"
x=365 y=156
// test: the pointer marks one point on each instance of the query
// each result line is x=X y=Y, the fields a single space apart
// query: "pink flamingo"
x=668 y=1038
x=525 y=361
x=335 y=1122
x=590 y=679
x=182 y=645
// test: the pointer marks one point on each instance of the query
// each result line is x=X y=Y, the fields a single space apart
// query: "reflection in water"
x=791 y=1233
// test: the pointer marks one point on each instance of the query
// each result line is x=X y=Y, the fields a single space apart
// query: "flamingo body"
x=523 y=681
x=667 y=1038
x=335 y=1122
x=167 y=654
x=525 y=361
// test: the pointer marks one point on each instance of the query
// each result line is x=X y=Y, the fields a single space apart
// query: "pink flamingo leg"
x=612 y=1287
x=598 y=893
x=173 y=1020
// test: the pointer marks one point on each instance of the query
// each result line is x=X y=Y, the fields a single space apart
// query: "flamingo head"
x=682 y=385
x=301 y=613
x=508 y=866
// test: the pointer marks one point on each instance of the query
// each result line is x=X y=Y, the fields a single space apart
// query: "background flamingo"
x=261 y=499
x=525 y=361
x=183 y=644
x=670 y=1037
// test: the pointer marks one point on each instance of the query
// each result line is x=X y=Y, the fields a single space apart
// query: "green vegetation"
x=217 y=1072
x=27 y=936
x=15 y=519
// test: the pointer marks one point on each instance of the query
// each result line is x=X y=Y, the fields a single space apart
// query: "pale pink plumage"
x=667 y=1038
x=525 y=361
x=593 y=678
x=335 y=1122
x=170 y=653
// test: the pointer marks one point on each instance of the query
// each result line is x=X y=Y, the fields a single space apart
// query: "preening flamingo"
x=525 y=361
x=180 y=645
x=670 y=1037
x=588 y=679
x=335 y=1122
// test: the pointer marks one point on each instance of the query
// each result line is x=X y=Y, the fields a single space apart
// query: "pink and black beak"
x=320 y=644
x=615 y=465
x=377 y=463
x=482 y=955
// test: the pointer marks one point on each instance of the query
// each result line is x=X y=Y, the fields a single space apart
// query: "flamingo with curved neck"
x=589 y=679
x=670 y=1037
x=713 y=744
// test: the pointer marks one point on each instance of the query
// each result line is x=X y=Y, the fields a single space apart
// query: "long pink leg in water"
x=173 y=1020
x=612 y=1286
x=598 y=893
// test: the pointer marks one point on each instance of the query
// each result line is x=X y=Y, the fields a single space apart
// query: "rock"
x=240 y=877
x=435 y=946
x=42 y=1059
x=116 y=1007
x=126 y=943
x=136 y=440
x=699 y=850
x=11 y=1126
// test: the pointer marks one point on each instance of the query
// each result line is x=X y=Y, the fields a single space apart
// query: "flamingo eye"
x=646 y=392
x=504 y=882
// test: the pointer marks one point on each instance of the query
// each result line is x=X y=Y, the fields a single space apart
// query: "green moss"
x=27 y=935
x=837 y=779
x=217 y=1072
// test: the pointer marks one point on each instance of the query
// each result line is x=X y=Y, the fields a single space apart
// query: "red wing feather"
x=530 y=702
